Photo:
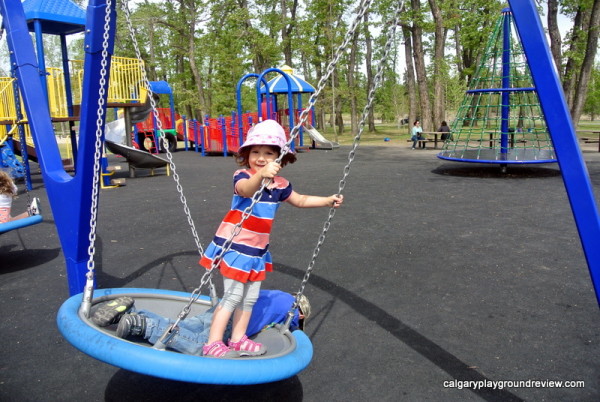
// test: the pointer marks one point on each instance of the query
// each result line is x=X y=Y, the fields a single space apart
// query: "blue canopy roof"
x=279 y=84
x=57 y=16
x=160 y=87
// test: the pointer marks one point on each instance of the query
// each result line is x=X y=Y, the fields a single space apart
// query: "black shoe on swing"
x=132 y=324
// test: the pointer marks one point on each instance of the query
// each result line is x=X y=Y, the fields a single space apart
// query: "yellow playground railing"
x=125 y=86
x=57 y=96
x=7 y=99
x=3 y=134
x=126 y=80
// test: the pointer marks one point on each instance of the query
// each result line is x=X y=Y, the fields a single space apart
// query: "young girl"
x=7 y=191
x=245 y=265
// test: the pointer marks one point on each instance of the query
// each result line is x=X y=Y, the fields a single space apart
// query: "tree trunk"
x=439 y=78
x=369 y=69
x=588 y=64
x=352 y=85
x=287 y=29
x=554 y=34
x=572 y=66
x=410 y=76
x=420 y=69
x=194 y=68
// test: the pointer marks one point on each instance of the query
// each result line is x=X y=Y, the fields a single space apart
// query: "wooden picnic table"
x=435 y=136
x=588 y=140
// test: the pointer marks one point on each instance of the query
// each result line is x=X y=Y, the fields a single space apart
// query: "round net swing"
x=500 y=119
x=288 y=352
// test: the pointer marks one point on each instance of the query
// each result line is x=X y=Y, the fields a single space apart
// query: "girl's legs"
x=241 y=316
x=4 y=215
x=234 y=292
x=215 y=347
x=239 y=340
x=20 y=216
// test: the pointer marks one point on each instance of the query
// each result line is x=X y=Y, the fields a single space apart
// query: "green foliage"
x=592 y=104
x=203 y=48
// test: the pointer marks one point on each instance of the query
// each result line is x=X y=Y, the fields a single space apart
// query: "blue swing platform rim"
x=20 y=223
x=497 y=161
x=103 y=346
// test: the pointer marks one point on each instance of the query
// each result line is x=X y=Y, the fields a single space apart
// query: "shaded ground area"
x=432 y=271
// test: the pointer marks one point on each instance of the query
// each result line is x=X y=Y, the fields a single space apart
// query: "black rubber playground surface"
x=433 y=273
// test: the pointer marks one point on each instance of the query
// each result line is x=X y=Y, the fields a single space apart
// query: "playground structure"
x=574 y=173
x=225 y=134
x=63 y=88
x=547 y=88
x=500 y=120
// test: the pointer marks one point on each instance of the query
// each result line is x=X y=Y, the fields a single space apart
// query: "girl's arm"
x=247 y=187
x=314 y=201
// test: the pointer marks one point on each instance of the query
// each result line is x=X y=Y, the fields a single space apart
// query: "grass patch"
x=382 y=131
x=401 y=134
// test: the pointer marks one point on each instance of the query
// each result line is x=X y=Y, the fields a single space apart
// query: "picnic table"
x=588 y=140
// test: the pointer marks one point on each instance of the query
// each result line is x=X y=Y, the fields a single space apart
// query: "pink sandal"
x=218 y=349
x=247 y=347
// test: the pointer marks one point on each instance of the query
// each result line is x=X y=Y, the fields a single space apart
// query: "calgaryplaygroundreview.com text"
x=501 y=384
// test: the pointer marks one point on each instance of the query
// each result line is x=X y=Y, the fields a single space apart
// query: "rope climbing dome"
x=500 y=120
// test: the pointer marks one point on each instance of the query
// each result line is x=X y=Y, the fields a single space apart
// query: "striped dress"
x=249 y=258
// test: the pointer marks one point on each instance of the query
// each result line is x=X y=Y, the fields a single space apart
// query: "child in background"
x=8 y=190
x=245 y=265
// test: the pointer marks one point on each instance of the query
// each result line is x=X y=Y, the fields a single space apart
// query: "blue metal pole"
x=184 y=128
x=301 y=133
x=505 y=108
x=238 y=96
x=21 y=131
x=289 y=87
x=223 y=134
x=202 y=145
x=195 y=131
x=39 y=43
x=570 y=159
x=70 y=196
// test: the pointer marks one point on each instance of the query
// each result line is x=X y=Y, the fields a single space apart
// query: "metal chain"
x=351 y=155
x=362 y=9
x=195 y=294
x=206 y=278
x=163 y=138
x=100 y=111
x=21 y=130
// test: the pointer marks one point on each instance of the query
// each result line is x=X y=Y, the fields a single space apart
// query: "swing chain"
x=351 y=155
x=161 y=343
x=362 y=9
x=21 y=130
x=287 y=147
x=100 y=111
x=163 y=138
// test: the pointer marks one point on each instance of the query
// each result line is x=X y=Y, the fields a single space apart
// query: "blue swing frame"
x=20 y=223
x=105 y=347
x=70 y=200
x=70 y=196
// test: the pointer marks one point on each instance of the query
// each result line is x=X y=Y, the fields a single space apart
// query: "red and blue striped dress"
x=249 y=258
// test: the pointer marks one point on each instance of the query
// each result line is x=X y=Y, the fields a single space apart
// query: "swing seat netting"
x=288 y=352
x=20 y=223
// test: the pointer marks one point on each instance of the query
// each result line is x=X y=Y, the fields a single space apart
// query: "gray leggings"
x=238 y=294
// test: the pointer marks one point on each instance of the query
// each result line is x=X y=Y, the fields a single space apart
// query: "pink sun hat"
x=267 y=132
